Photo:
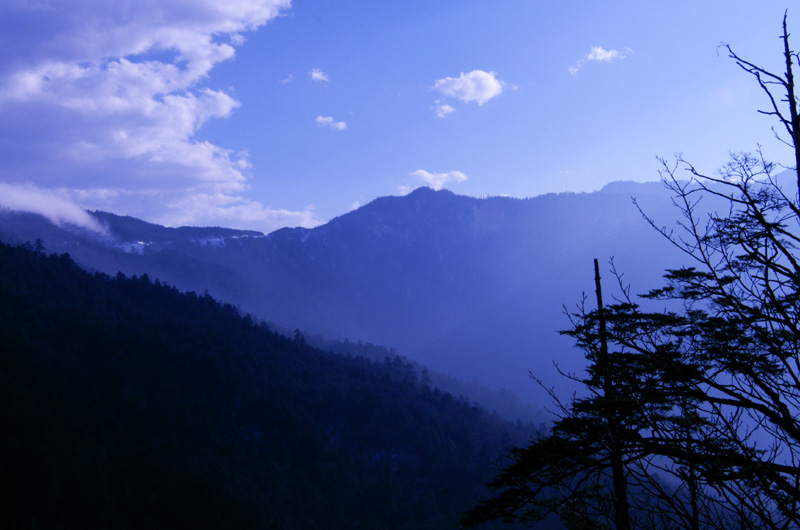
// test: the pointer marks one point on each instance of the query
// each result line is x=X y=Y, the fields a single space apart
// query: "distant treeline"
x=126 y=404
x=502 y=401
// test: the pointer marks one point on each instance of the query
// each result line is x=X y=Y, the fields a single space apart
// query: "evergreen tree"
x=699 y=401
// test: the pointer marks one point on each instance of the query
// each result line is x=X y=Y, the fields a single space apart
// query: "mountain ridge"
x=471 y=287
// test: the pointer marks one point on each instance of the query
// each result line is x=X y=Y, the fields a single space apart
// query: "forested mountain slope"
x=470 y=287
x=125 y=403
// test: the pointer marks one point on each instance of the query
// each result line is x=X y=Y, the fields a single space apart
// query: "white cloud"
x=221 y=210
x=318 y=75
x=477 y=85
x=443 y=109
x=437 y=180
x=102 y=100
x=59 y=210
x=199 y=206
x=599 y=54
x=286 y=80
x=328 y=121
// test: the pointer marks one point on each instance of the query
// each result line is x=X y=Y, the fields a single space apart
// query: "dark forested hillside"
x=472 y=288
x=125 y=403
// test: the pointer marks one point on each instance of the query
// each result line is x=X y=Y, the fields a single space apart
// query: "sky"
x=260 y=114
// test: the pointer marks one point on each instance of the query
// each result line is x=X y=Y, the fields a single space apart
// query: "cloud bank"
x=101 y=100
x=600 y=55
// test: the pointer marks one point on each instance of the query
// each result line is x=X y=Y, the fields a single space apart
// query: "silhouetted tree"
x=602 y=464
x=708 y=387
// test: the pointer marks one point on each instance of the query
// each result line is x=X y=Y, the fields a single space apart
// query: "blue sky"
x=267 y=113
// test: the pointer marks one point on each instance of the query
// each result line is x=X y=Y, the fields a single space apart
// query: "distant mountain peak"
x=425 y=191
x=629 y=187
x=470 y=286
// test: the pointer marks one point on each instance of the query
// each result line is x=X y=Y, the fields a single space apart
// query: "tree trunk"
x=620 y=483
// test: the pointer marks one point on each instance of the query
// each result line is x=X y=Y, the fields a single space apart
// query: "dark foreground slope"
x=127 y=404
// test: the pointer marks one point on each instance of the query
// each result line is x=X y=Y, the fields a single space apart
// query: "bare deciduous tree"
x=692 y=411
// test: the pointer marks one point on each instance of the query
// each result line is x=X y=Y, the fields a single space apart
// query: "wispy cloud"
x=59 y=210
x=318 y=75
x=105 y=106
x=328 y=121
x=478 y=86
x=438 y=180
x=210 y=210
x=443 y=109
x=599 y=54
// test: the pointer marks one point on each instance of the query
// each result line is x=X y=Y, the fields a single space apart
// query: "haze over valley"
x=472 y=288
